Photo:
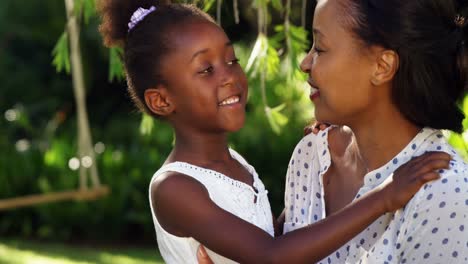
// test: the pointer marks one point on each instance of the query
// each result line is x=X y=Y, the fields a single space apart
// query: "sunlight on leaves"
x=146 y=125
x=263 y=57
x=61 y=54
x=276 y=119
x=207 y=4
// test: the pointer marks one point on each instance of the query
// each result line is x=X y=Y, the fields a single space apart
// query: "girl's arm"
x=184 y=208
x=278 y=224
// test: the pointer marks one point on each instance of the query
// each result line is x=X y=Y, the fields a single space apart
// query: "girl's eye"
x=234 y=61
x=206 y=70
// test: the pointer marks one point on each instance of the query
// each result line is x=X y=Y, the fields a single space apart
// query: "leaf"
x=78 y=7
x=116 y=69
x=61 y=54
x=276 y=119
x=257 y=51
x=89 y=9
x=146 y=125
x=277 y=5
x=207 y=4
x=263 y=57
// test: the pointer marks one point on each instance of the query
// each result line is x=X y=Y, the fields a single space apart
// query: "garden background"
x=39 y=138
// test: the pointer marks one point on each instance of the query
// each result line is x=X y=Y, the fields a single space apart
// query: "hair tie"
x=139 y=15
x=460 y=21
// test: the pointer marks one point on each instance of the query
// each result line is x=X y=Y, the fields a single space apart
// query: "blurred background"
x=89 y=169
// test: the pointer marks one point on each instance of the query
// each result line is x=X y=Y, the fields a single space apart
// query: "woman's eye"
x=317 y=50
x=234 y=61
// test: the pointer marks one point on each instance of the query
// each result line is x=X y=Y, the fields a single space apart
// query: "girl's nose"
x=228 y=76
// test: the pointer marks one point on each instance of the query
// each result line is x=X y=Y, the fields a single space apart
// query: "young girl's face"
x=339 y=71
x=206 y=83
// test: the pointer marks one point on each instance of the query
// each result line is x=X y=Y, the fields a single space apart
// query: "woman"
x=392 y=72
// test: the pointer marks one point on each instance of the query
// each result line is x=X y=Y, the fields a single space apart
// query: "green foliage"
x=460 y=141
x=207 y=4
x=147 y=124
x=85 y=9
x=116 y=69
x=61 y=54
x=263 y=57
x=296 y=39
x=276 y=119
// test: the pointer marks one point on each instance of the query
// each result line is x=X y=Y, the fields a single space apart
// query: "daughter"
x=181 y=68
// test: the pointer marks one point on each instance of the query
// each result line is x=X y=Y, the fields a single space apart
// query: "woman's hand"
x=411 y=176
x=315 y=127
x=202 y=256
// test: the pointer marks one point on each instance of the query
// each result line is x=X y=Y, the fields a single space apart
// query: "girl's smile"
x=231 y=101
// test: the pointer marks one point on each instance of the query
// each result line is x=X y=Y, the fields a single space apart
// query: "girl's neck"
x=200 y=149
x=381 y=138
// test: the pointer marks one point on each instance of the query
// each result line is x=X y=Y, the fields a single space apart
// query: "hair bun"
x=115 y=16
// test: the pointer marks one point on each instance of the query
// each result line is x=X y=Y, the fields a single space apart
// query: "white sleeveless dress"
x=233 y=196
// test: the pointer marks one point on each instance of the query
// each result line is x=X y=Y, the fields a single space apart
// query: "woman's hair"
x=148 y=42
x=431 y=40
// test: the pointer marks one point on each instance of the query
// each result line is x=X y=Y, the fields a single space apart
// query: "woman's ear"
x=387 y=66
x=158 y=101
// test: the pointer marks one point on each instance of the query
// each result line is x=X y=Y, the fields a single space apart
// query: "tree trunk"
x=85 y=148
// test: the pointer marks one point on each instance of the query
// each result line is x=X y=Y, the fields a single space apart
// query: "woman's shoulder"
x=339 y=139
x=312 y=139
x=336 y=138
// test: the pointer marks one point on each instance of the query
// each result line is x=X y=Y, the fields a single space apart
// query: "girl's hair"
x=431 y=40
x=147 y=43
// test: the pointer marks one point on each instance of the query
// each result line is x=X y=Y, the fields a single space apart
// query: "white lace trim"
x=259 y=190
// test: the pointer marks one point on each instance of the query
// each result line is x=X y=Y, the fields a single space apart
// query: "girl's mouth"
x=231 y=100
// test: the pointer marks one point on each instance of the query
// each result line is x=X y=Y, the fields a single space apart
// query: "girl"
x=181 y=68
x=393 y=71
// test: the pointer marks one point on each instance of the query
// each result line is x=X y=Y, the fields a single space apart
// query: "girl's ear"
x=387 y=66
x=158 y=101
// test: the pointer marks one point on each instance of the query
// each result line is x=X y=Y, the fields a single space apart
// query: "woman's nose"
x=306 y=63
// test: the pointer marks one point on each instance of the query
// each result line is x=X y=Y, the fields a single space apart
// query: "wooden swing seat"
x=85 y=194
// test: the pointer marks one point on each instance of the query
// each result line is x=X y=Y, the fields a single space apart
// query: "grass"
x=28 y=252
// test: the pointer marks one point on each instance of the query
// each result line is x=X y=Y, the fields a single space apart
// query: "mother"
x=392 y=71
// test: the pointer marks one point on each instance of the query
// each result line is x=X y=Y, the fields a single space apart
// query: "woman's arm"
x=183 y=208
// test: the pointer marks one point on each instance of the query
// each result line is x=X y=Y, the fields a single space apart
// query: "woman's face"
x=339 y=69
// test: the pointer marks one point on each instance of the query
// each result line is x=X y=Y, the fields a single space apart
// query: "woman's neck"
x=381 y=138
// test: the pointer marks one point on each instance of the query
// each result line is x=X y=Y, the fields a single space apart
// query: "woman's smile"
x=314 y=91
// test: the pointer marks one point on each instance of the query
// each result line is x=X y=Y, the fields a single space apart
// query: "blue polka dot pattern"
x=429 y=229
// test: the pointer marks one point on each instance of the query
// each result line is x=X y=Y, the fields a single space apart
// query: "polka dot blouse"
x=432 y=228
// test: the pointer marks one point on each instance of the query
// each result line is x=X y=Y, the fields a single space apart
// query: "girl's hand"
x=315 y=128
x=409 y=178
